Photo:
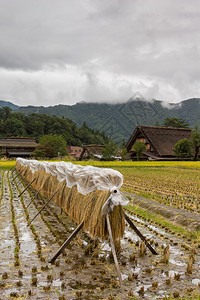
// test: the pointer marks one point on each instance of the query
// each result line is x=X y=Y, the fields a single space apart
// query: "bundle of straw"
x=79 y=207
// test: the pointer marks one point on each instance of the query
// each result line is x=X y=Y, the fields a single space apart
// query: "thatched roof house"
x=159 y=141
x=17 y=146
x=92 y=151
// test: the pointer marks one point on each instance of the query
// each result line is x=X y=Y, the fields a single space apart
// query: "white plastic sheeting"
x=86 y=178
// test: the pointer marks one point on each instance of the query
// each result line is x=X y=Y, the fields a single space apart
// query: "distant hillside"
x=8 y=104
x=119 y=120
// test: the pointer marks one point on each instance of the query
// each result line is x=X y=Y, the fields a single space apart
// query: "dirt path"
x=85 y=270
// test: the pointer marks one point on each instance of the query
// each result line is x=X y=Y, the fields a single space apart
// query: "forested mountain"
x=8 y=104
x=119 y=120
x=36 y=125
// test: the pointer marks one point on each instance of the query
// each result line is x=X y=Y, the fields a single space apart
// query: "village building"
x=92 y=152
x=17 y=146
x=74 y=151
x=159 y=141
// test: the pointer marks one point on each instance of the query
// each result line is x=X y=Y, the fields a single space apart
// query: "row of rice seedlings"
x=162 y=222
x=49 y=208
x=171 y=187
x=188 y=203
x=2 y=179
x=16 y=234
x=35 y=234
x=48 y=224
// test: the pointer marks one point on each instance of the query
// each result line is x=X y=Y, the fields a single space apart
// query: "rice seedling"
x=177 y=276
x=141 y=291
x=19 y=283
x=46 y=288
x=155 y=284
x=165 y=255
x=34 y=281
x=20 y=273
x=168 y=281
x=142 y=249
x=190 y=264
x=5 y=275
x=130 y=293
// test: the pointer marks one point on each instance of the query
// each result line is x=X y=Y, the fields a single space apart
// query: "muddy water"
x=77 y=275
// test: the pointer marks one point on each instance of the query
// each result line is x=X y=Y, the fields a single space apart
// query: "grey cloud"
x=150 y=45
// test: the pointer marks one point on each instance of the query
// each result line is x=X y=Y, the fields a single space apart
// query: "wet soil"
x=179 y=216
x=86 y=269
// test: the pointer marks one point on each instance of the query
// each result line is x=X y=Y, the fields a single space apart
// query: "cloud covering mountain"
x=119 y=120
x=96 y=50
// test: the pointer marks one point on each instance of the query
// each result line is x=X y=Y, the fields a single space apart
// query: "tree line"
x=16 y=124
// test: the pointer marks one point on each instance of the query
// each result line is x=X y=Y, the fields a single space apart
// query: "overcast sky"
x=67 y=51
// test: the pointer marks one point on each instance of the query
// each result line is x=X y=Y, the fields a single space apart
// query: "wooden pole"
x=27 y=187
x=64 y=245
x=42 y=208
x=20 y=173
x=33 y=198
x=17 y=175
x=139 y=234
x=113 y=249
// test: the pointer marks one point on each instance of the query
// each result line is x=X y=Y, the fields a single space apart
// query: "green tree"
x=156 y=124
x=182 y=148
x=139 y=148
x=57 y=143
x=109 y=152
x=195 y=142
x=123 y=152
x=5 y=112
x=44 y=151
x=14 y=127
x=175 y=122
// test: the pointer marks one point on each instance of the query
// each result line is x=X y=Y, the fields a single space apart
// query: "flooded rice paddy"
x=85 y=270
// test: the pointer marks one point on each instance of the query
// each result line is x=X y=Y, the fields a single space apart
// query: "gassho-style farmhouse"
x=159 y=141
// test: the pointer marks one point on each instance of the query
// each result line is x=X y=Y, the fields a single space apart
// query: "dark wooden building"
x=92 y=152
x=159 y=141
x=17 y=146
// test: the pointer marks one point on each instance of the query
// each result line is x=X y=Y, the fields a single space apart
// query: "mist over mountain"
x=119 y=120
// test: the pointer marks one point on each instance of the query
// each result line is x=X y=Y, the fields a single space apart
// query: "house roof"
x=18 y=142
x=162 y=139
x=93 y=150
x=19 y=153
